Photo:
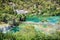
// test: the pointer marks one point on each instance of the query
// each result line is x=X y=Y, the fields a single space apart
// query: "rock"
x=4 y=28
x=21 y=11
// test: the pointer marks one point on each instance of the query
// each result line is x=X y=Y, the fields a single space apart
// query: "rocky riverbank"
x=4 y=27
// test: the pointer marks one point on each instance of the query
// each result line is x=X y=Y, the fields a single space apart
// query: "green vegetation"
x=38 y=8
x=28 y=33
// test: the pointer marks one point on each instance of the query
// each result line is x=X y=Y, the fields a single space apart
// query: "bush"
x=7 y=36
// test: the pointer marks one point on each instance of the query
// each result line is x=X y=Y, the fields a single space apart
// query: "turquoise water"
x=53 y=19
x=15 y=29
x=33 y=19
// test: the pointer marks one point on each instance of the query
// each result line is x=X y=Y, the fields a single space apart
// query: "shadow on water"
x=33 y=19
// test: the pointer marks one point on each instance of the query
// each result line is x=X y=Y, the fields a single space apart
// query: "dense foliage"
x=28 y=33
x=35 y=7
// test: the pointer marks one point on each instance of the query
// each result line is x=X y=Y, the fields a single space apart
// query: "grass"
x=29 y=33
